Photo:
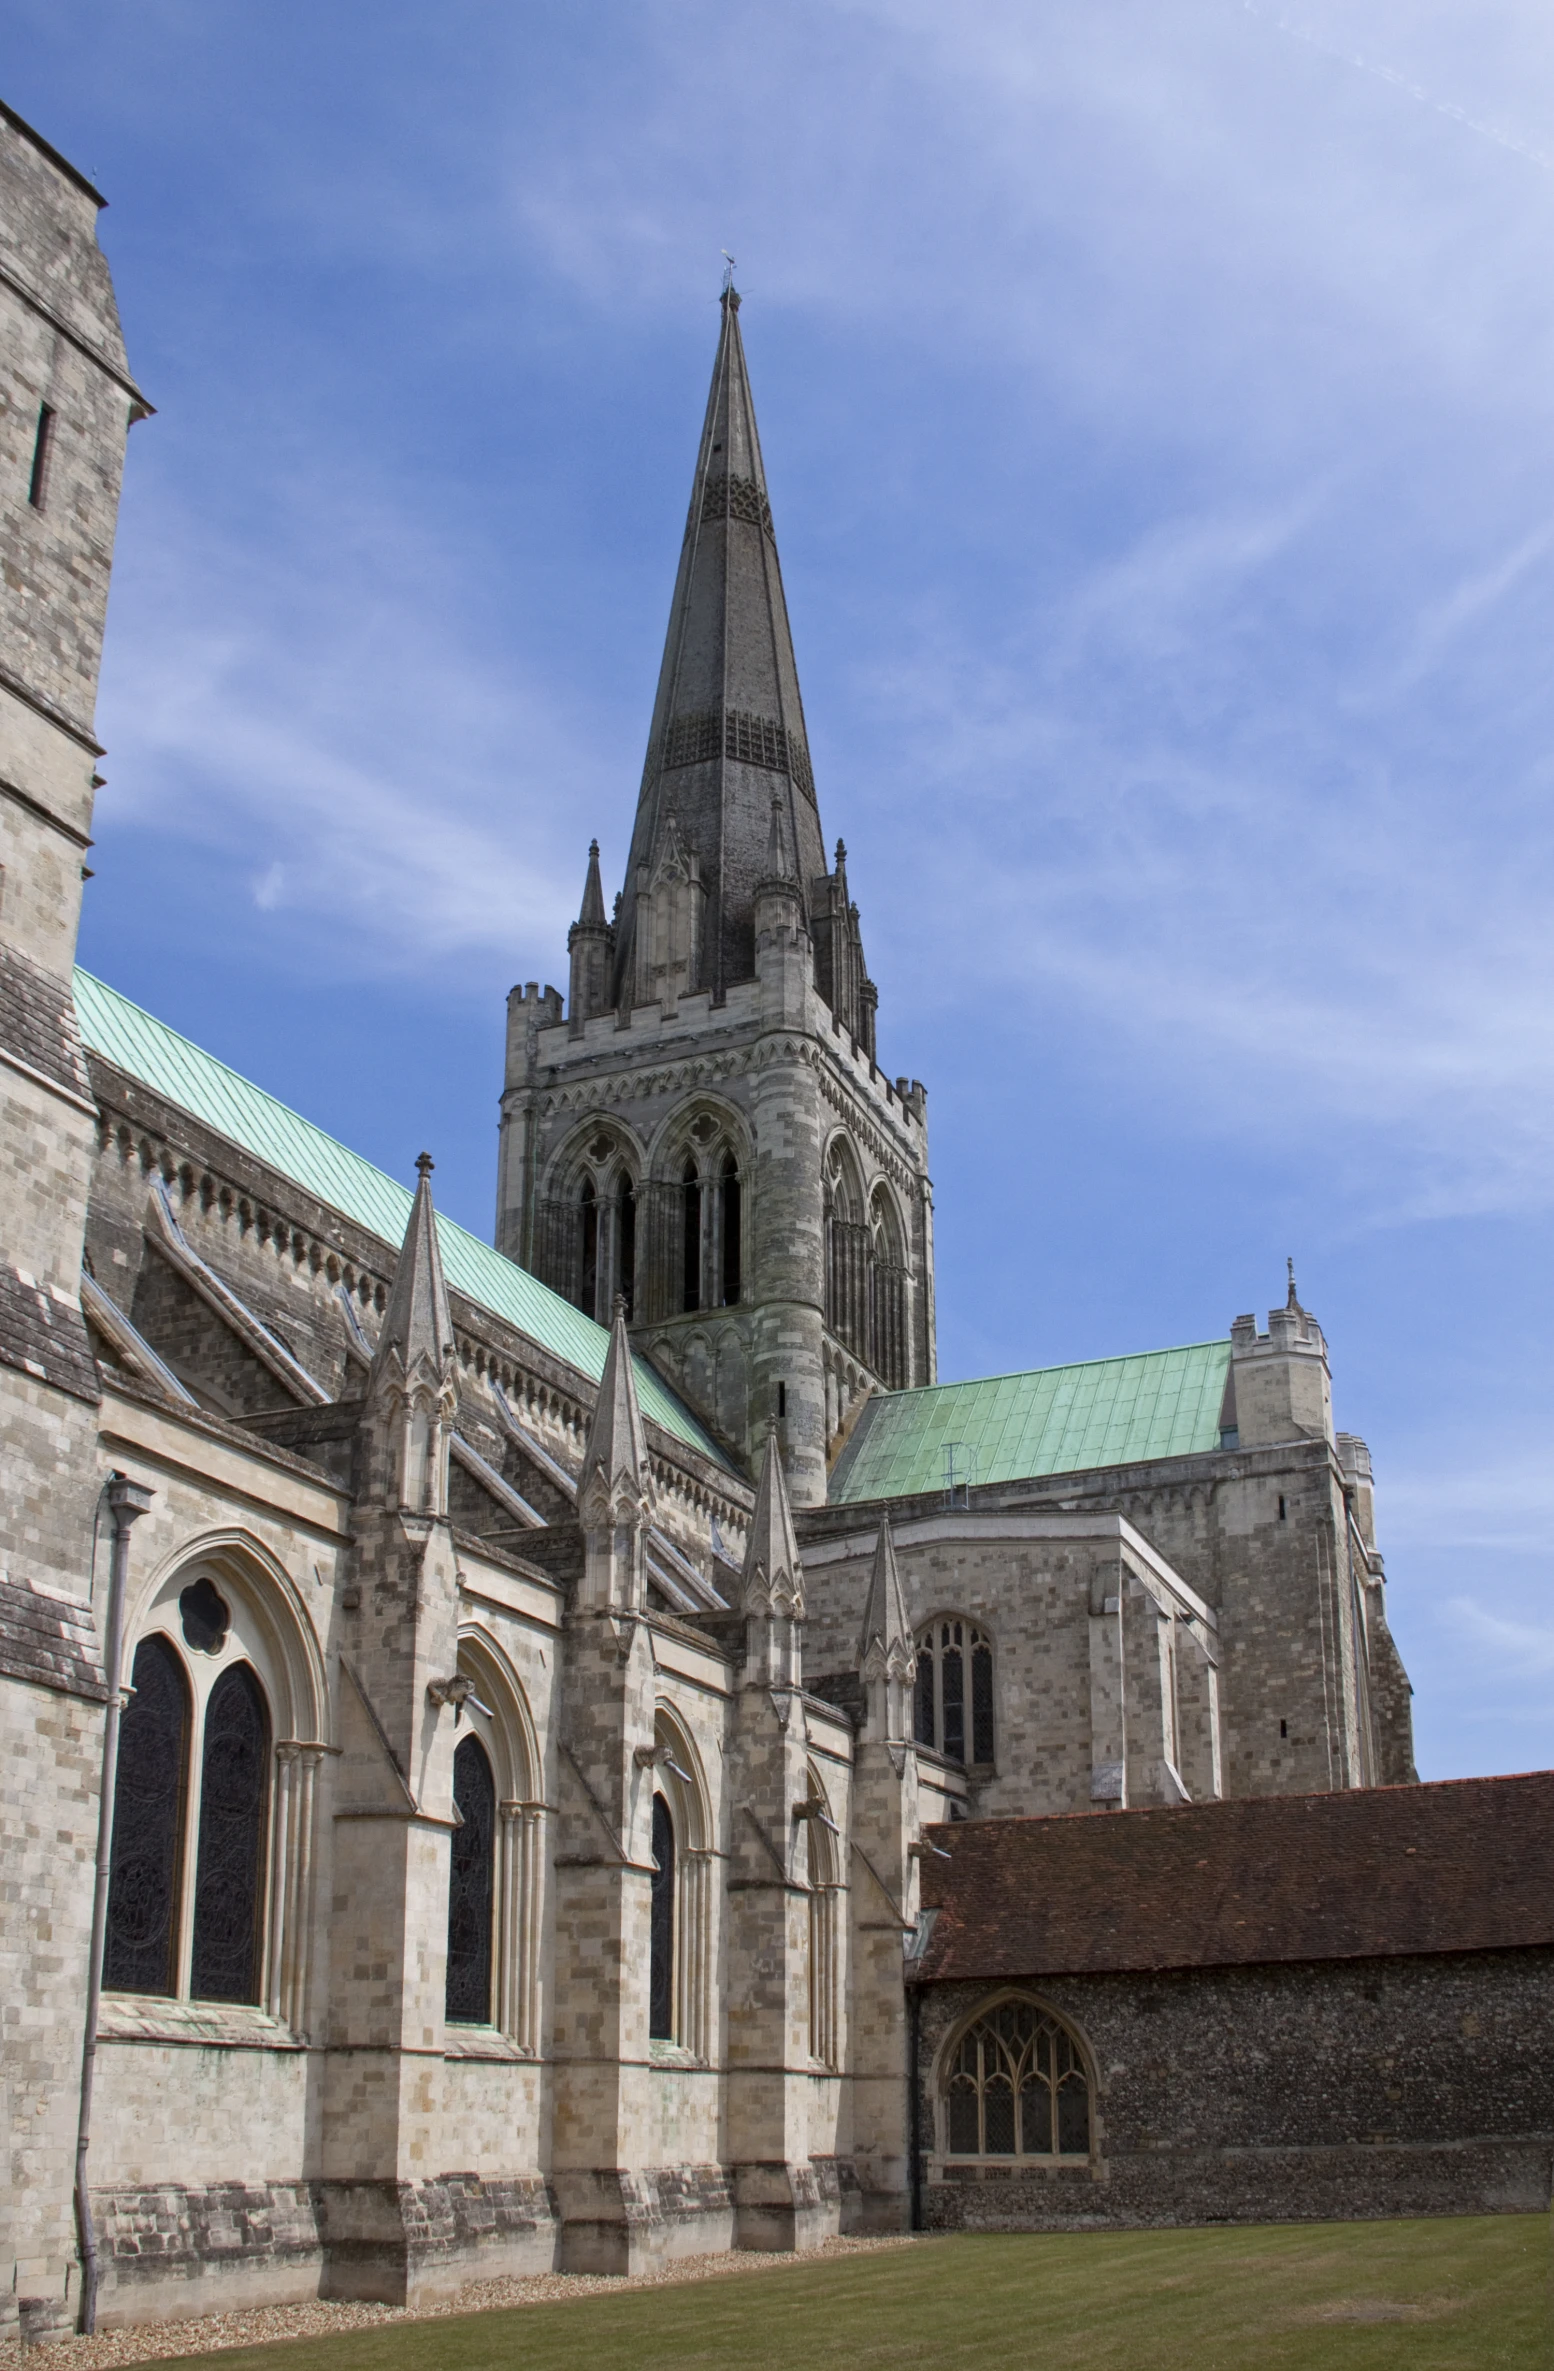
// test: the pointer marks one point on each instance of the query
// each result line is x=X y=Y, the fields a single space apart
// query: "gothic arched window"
x=1016 y=2085
x=887 y=1292
x=588 y=1228
x=955 y=1690
x=229 y=1865
x=141 y=1952
x=661 y=2001
x=471 y=1887
x=690 y=1290
x=729 y=1216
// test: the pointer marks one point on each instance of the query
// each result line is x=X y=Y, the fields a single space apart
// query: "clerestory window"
x=1016 y=2086
x=954 y=1702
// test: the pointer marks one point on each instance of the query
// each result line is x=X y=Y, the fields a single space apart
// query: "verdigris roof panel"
x=1051 y=1420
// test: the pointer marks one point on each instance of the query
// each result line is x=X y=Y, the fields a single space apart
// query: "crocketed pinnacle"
x=728 y=722
x=773 y=1574
x=418 y=1323
x=886 y=1638
x=615 y=1485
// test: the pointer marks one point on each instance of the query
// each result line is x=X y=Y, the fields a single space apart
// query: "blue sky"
x=1159 y=409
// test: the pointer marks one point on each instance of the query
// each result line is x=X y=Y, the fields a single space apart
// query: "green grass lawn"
x=1463 y=2295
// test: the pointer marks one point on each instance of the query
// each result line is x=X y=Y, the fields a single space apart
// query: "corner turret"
x=1281 y=1387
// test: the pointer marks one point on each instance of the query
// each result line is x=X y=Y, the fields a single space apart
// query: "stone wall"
x=1326 y=2091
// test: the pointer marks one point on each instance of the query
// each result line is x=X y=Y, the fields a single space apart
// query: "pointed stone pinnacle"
x=773 y=1574
x=886 y=1639
x=591 y=913
x=615 y=1485
x=418 y=1323
x=1293 y=1300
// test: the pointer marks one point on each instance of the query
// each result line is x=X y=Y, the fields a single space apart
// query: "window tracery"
x=210 y=1868
x=1016 y=2085
x=954 y=1690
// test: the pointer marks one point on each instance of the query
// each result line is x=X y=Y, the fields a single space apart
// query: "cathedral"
x=576 y=1749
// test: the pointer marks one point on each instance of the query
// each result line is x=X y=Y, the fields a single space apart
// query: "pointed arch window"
x=141 y=1951
x=661 y=1985
x=1016 y=2086
x=229 y=1870
x=588 y=1241
x=730 y=1218
x=954 y=1695
x=166 y=1937
x=690 y=1256
x=471 y=1887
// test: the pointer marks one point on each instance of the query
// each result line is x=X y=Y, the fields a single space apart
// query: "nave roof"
x=183 y=1074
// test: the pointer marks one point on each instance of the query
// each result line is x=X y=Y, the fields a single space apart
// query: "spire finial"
x=424 y=1164
x=1293 y=1301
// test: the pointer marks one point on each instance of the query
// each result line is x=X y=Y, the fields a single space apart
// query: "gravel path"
x=215 y=2332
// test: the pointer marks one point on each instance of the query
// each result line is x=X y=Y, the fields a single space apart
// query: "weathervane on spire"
x=730 y=267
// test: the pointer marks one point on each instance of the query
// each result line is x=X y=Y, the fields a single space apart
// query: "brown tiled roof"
x=1380 y=1873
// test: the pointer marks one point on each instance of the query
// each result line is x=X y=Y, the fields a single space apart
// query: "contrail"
x=1400 y=82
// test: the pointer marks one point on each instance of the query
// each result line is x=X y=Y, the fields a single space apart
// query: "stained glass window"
x=944 y=1650
x=148 y=1818
x=471 y=1887
x=229 y=1867
x=661 y=1981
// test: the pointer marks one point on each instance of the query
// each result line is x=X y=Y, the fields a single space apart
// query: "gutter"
x=127 y=1502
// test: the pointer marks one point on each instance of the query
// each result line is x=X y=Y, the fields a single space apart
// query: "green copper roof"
x=1055 y=1420
x=197 y=1083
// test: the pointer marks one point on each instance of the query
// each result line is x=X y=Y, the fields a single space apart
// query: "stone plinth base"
x=613 y=2221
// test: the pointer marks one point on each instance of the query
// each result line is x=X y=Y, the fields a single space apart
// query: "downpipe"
x=127 y=1502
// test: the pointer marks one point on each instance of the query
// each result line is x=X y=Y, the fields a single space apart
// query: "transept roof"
x=1052 y=1420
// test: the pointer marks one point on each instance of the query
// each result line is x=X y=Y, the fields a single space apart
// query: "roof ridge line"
x=1059 y=1367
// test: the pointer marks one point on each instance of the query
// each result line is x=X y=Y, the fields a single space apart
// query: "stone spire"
x=728 y=722
x=418 y=1324
x=773 y=1582
x=887 y=1655
x=615 y=1487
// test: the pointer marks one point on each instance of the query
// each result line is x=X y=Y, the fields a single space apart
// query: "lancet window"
x=705 y=1245
x=954 y=1700
x=866 y=1269
x=824 y=1971
x=1015 y=2085
x=595 y=1255
x=661 y=1989
x=472 y=1887
x=188 y=1868
x=496 y=1856
x=680 y=1923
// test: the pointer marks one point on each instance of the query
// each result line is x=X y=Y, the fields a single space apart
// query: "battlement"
x=1280 y=1385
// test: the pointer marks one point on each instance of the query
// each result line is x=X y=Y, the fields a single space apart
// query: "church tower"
x=704 y=1128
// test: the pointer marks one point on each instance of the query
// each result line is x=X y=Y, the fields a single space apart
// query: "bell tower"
x=705 y=1130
